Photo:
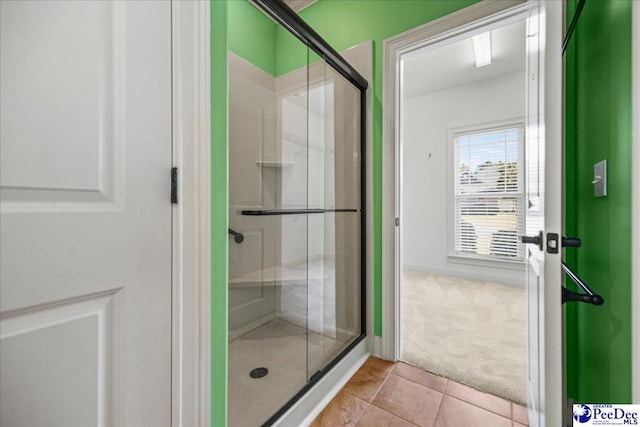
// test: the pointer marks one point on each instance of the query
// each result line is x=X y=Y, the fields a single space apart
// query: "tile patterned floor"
x=383 y=393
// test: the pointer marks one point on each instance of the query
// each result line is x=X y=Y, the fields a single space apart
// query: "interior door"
x=544 y=213
x=85 y=307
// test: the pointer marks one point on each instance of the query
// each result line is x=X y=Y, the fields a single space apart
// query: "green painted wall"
x=255 y=39
x=571 y=338
x=599 y=115
x=219 y=212
x=347 y=23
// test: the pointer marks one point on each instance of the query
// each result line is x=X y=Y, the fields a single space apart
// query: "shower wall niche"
x=295 y=216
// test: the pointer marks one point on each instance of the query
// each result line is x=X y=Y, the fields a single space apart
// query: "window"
x=488 y=193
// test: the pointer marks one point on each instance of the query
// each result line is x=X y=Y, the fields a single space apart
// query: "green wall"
x=253 y=40
x=347 y=23
x=219 y=212
x=599 y=127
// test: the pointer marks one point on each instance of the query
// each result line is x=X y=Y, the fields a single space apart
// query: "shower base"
x=282 y=348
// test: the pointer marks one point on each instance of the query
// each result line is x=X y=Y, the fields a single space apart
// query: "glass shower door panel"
x=292 y=294
x=252 y=120
x=320 y=137
x=334 y=237
x=267 y=363
x=342 y=229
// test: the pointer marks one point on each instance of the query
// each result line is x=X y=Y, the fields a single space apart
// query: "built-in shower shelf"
x=275 y=164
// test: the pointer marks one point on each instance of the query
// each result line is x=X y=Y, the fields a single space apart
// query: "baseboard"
x=377 y=346
x=308 y=407
x=471 y=275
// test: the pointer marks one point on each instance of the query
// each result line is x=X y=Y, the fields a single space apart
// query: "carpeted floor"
x=470 y=331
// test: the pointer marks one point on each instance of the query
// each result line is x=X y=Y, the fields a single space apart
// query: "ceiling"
x=298 y=5
x=429 y=70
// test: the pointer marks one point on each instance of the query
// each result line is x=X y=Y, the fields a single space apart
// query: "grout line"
x=400 y=416
x=423 y=385
x=511 y=404
x=480 y=407
x=435 y=420
x=382 y=384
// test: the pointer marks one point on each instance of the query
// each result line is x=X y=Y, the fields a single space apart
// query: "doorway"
x=462 y=118
x=543 y=189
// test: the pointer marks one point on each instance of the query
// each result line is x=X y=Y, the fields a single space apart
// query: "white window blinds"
x=488 y=193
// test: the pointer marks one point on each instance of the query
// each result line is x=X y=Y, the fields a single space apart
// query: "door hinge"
x=397 y=222
x=174 y=186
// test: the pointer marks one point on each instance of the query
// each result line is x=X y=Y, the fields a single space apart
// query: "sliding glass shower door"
x=295 y=217
x=334 y=236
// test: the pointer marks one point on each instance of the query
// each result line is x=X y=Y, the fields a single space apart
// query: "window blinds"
x=488 y=193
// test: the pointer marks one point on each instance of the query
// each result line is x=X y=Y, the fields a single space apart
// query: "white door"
x=544 y=213
x=85 y=321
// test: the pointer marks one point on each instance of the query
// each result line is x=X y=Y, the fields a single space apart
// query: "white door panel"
x=544 y=213
x=85 y=295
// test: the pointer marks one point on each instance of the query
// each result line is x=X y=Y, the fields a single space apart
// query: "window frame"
x=452 y=134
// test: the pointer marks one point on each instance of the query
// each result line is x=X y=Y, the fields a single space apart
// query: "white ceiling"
x=430 y=70
x=298 y=5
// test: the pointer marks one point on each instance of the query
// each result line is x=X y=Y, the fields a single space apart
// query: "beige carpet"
x=470 y=331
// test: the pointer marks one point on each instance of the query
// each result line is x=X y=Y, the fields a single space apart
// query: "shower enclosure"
x=296 y=209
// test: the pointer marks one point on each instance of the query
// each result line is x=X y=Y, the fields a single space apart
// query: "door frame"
x=191 y=246
x=635 y=201
x=465 y=20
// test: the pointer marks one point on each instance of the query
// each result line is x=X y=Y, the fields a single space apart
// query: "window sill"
x=484 y=262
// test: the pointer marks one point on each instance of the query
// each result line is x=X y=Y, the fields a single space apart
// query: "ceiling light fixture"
x=482 y=49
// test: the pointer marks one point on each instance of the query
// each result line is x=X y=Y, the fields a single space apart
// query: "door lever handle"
x=571 y=242
x=535 y=240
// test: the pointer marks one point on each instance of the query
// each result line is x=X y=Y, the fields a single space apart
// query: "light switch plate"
x=600 y=179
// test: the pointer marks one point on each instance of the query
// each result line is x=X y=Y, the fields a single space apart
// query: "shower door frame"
x=282 y=14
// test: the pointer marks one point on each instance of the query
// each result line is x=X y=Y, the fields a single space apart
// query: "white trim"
x=307 y=408
x=443 y=29
x=298 y=5
x=635 y=201
x=191 y=218
x=377 y=347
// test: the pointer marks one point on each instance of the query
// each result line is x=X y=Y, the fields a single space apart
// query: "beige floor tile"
x=379 y=366
x=344 y=410
x=365 y=383
x=456 y=413
x=409 y=400
x=376 y=417
x=483 y=400
x=520 y=414
x=419 y=376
